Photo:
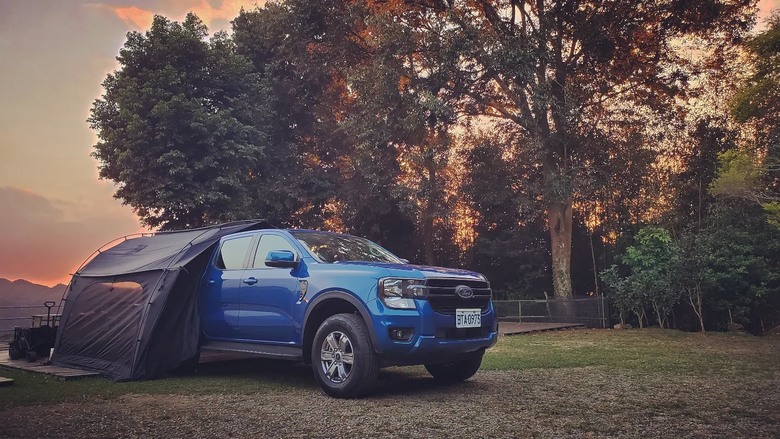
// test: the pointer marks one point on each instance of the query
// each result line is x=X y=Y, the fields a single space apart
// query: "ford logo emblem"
x=464 y=292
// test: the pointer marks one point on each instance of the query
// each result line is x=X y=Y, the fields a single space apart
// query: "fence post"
x=519 y=311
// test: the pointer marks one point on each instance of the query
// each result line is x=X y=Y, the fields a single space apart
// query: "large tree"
x=567 y=73
x=182 y=126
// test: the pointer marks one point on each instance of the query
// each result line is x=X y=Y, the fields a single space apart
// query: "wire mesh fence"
x=591 y=311
x=25 y=316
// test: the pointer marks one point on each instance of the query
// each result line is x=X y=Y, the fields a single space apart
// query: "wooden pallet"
x=62 y=373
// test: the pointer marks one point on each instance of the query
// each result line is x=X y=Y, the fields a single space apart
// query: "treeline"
x=530 y=141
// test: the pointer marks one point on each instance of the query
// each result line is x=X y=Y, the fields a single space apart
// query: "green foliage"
x=574 y=81
x=300 y=53
x=760 y=96
x=181 y=126
x=510 y=252
x=621 y=294
x=739 y=176
x=729 y=263
x=342 y=133
x=392 y=120
x=772 y=210
x=755 y=174
x=710 y=138
x=651 y=264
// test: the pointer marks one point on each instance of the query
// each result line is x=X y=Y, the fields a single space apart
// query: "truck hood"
x=417 y=271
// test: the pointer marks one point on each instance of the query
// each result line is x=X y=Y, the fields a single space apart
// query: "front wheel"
x=343 y=358
x=456 y=371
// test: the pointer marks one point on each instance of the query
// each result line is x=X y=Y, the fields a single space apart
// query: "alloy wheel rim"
x=337 y=356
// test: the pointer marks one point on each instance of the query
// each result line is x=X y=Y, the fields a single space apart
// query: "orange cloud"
x=43 y=240
x=137 y=17
x=141 y=19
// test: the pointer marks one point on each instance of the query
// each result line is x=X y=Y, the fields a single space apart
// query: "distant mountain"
x=27 y=299
x=21 y=292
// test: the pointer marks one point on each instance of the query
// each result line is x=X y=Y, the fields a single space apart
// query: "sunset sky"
x=54 y=54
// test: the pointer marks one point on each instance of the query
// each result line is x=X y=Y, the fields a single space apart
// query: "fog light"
x=401 y=334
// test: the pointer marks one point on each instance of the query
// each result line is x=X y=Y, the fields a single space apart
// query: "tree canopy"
x=539 y=142
x=181 y=126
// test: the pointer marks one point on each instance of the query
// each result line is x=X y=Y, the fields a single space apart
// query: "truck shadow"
x=393 y=381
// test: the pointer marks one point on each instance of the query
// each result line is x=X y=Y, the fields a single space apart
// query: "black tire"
x=14 y=354
x=456 y=371
x=345 y=381
x=32 y=356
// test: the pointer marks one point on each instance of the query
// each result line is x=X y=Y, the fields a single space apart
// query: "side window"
x=232 y=253
x=267 y=244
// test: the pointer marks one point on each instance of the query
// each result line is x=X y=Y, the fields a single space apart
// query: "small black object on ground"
x=36 y=341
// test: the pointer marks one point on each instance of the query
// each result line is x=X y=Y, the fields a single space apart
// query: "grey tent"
x=131 y=312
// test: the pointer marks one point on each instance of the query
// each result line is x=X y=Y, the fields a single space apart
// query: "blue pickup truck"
x=345 y=305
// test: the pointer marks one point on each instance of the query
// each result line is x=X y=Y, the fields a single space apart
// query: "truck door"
x=220 y=298
x=268 y=295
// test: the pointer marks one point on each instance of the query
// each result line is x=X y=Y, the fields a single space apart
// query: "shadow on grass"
x=408 y=381
x=392 y=381
x=283 y=373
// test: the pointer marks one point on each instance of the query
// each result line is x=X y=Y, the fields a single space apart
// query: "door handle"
x=250 y=281
x=212 y=281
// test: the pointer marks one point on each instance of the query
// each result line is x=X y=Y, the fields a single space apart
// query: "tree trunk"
x=430 y=209
x=559 y=217
x=639 y=317
x=658 y=315
x=428 y=238
x=694 y=297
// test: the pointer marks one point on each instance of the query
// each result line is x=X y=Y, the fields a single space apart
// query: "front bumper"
x=434 y=337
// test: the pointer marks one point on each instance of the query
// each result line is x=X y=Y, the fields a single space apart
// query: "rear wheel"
x=456 y=371
x=343 y=358
x=14 y=353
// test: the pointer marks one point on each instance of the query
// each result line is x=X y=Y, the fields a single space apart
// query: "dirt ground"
x=570 y=402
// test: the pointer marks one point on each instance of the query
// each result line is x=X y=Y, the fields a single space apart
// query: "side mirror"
x=282 y=259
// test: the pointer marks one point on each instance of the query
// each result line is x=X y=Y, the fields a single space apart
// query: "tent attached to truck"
x=131 y=312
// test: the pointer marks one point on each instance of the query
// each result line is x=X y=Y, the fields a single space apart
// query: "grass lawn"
x=640 y=351
x=583 y=383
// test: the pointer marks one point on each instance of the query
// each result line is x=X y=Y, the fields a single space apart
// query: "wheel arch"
x=327 y=304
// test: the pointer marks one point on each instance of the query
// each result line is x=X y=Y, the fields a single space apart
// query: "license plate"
x=468 y=318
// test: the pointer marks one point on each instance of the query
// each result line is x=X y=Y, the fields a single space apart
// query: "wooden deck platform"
x=512 y=328
x=62 y=373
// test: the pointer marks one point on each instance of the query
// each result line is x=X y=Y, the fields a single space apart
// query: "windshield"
x=331 y=247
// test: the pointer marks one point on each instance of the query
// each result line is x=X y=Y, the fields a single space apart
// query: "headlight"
x=400 y=293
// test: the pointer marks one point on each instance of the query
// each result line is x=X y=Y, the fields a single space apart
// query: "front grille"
x=442 y=297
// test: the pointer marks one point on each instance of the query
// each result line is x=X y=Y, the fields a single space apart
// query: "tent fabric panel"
x=132 y=312
x=174 y=338
x=101 y=321
x=159 y=251
x=144 y=253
